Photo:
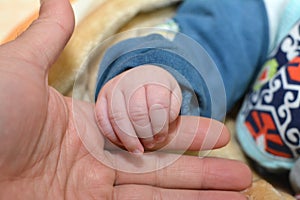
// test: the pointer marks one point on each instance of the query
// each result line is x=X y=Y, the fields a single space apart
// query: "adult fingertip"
x=47 y=36
x=59 y=10
x=216 y=134
x=225 y=135
x=247 y=176
x=240 y=175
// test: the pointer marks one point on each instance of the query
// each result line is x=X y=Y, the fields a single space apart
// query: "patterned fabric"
x=270 y=113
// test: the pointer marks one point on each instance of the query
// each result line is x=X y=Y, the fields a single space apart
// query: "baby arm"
x=208 y=89
x=135 y=108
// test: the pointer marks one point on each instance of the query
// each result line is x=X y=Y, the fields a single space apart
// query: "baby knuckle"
x=139 y=114
x=101 y=120
x=117 y=116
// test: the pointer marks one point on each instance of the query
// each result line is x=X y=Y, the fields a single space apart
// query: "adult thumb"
x=43 y=41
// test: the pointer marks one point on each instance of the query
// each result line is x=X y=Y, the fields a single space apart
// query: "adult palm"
x=42 y=155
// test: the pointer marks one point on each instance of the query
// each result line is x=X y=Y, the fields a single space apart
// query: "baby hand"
x=135 y=108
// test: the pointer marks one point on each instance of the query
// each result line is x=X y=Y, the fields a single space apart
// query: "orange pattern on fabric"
x=294 y=71
x=265 y=126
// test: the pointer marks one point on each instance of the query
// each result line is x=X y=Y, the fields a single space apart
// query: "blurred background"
x=13 y=13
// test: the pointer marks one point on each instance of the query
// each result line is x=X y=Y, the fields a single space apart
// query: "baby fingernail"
x=160 y=139
x=137 y=152
x=150 y=145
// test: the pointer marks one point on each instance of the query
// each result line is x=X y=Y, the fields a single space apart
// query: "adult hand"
x=43 y=157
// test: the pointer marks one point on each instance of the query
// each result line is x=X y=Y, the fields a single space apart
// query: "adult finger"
x=194 y=134
x=191 y=172
x=146 y=192
x=44 y=40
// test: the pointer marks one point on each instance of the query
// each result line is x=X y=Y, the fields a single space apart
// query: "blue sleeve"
x=235 y=35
